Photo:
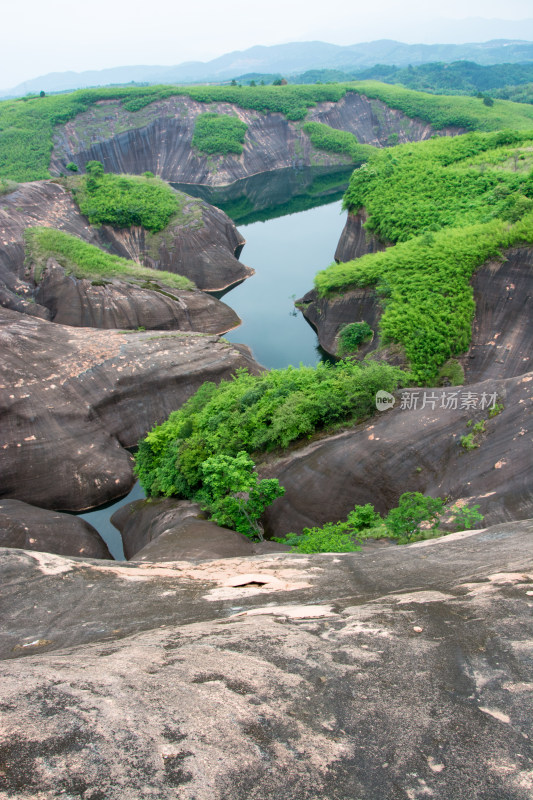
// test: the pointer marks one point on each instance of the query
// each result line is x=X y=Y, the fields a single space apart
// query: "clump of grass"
x=219 y=134
x=85 y=260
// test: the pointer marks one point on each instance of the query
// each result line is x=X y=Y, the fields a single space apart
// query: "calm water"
x=286 y=252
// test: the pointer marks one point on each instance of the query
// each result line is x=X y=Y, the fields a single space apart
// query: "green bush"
x=256 y=413
x=334 y=141
x=233 y=494
x=219 y=134
x=416 y=517
x=85 y=260
x=123 y=201
x=351 y=336
x=404 y=522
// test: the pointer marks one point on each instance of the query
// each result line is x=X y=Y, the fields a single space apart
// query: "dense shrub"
x=219 y=134
x=122 y=200
x=254 y=414
x=416 y=517
x=451 y=204
x=334 y=141
x=351 y=336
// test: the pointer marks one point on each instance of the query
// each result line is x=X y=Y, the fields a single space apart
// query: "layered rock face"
x=403 y=673
x=416 y=449
x=203 y=248
x=158 y=138
x=74 y=398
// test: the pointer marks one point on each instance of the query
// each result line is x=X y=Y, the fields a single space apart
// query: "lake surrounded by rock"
x=286 y=252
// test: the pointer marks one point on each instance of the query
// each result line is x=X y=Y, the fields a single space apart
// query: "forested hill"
x=459 y=77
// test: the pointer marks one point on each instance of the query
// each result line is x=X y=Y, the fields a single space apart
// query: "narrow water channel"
x=286 y=252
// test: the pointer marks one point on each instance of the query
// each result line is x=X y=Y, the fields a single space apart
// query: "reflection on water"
x=274 y=194
x=286 y=253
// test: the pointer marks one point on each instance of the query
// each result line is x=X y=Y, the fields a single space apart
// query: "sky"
x=42 y=36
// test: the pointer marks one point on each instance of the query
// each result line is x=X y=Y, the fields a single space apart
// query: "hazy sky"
x=41 y=36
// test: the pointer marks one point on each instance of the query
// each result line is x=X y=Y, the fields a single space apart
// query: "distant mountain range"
x=285 y=59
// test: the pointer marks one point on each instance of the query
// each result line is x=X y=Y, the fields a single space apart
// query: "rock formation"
x=121 y=304
x=74 y=398
x=355 y=240
x=29 y=528
x=416 y=449
x=204 y=247
x=403 y=673
x=502 y=334
x=158 y=138
x=166 y=529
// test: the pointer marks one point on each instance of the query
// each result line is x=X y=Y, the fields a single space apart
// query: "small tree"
x=233 y=494
x=413 y=509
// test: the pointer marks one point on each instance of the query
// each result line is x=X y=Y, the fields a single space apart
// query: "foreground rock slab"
x=73 y=398
x=400 y=675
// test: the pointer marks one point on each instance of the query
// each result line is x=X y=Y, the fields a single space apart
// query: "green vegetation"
x=256 y=413
x=444 y=111
x=451 y=204
x=27 y=125
x=334 y=141
x=233 y=494
x=517 y=94
x=451 y=374
x=219 y=134
x=352 y=336
x=415 y=518
x=125 y=200
x=87 y=261
x=459 y=77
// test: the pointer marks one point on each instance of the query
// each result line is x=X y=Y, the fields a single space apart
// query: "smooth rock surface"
x=119 y=304
x=73 y=398
x=166 y=529
x=355 y=240
x=30 y=528
x=415 y=449
x=403 y=674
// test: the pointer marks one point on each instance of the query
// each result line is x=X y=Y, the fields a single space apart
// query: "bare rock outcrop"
x=27 y=527
x=73 y=398
x=417 y=448
x=166 y=529
x=399 y=674
x=158 y=138
x=355 y=240
x=120 y=304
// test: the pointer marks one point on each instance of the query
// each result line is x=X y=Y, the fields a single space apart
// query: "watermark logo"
x=384 y=400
